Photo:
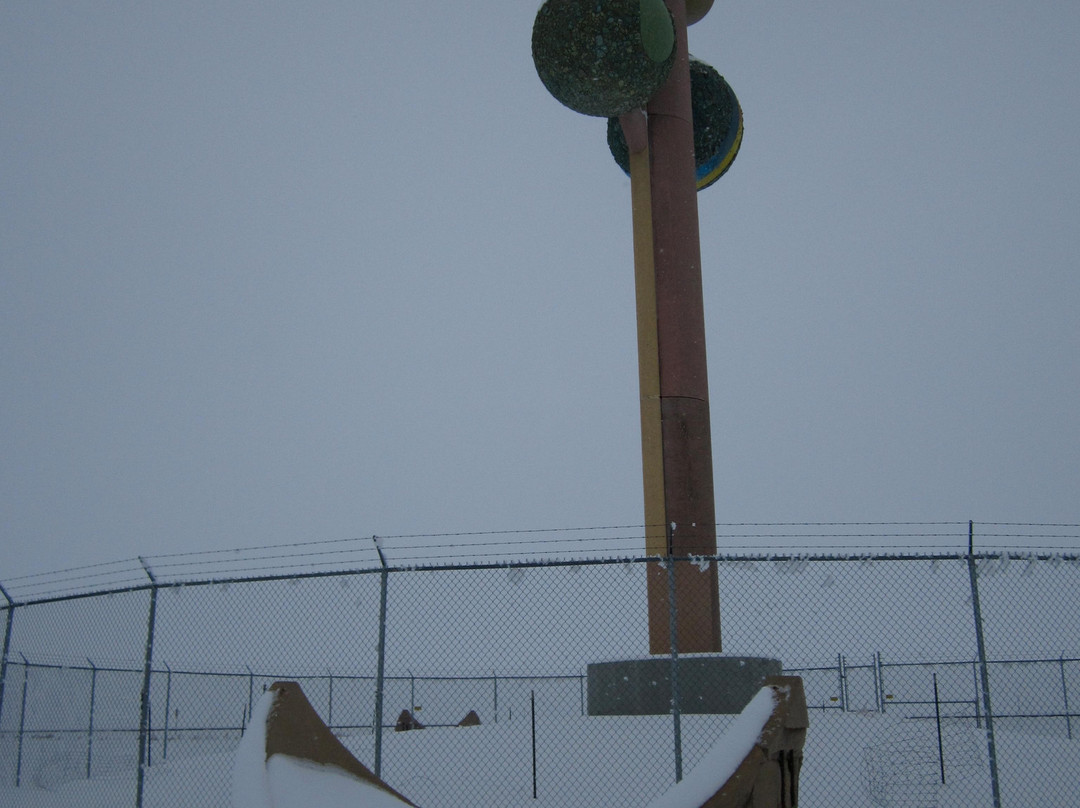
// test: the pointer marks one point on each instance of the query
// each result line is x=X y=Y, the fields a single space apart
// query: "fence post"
x=149 y=734
x=10 y=609
x=1065 y=697
x=495 y=687
x=841 y=673
x=975 y=679
x=984 y=674
x=22 y=722
x=144 y=696
x=90 y=726
x=532 y=713
x=877 y=683
x=676 y=702
x=880 y=680
x=251 y=694
x=168 y=707
x=381 y=660
x=330 y=700
x=937 y=720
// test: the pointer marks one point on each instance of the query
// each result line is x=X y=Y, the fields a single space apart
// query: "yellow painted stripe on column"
x=652 y=447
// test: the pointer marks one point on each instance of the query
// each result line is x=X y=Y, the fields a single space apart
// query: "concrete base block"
x=707 y=684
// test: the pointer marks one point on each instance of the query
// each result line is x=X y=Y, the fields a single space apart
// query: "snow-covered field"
x=599 y=762
x=284 y=782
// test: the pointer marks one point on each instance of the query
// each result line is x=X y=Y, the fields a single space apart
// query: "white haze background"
x=313 y=271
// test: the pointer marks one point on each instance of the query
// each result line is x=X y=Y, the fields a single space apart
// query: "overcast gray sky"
x=296 y=271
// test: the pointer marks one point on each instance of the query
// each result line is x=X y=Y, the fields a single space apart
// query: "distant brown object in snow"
x=407 y=721
x=471 y=720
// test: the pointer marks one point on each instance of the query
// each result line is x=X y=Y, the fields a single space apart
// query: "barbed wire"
x=360 y=553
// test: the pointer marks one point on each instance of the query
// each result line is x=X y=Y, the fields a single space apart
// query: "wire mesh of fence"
x=138 y=692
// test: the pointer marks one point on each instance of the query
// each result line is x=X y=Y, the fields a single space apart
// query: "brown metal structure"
x=592 y=75
x=294 y=729
x=768 y=777
x=687 y=524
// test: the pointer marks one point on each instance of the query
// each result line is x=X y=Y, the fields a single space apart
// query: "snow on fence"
x=140 y=689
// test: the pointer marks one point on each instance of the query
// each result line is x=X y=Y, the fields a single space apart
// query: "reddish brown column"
x=689 y=509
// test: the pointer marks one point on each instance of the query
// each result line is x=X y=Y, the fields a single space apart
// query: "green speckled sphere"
x=594 y=57
x=696 y=9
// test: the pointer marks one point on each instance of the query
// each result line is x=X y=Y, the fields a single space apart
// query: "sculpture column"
x=628 y=61
x=689 y=519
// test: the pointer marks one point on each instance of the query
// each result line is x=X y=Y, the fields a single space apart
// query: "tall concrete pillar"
x=611 y=59
x=688 y=526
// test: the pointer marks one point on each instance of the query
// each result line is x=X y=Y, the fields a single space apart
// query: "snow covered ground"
x=284 y=782
x=600 y=762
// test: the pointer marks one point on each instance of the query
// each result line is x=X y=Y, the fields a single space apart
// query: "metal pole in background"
x=330 y=701
x=251 y=694
x=984 y=674
x=841 y=670
x=975 y=679
x=168 y=706
x=90 y=727
x=532 y=711
x=937 y=718
x=1065 y=697
x=10 y=609
x=22 y=722
x=381 y=661
x=149 y=734
x=881 y=680
x=676 y=701
x=877 y=683
x=144 y=696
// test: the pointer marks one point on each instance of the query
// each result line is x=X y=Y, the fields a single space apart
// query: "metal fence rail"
x=919 y=667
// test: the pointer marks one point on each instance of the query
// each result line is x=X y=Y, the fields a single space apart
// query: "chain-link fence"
x=936 y=678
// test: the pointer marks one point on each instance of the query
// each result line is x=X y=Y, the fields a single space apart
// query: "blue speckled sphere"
x=718 y=126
